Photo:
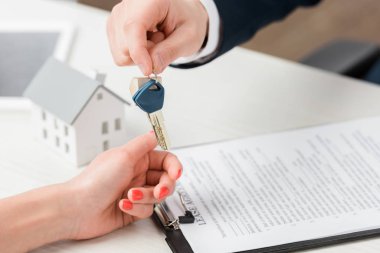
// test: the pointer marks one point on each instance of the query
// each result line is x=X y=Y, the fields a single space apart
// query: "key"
x=148 y=94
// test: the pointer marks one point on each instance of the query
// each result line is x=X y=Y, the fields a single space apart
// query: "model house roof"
x=62 y=90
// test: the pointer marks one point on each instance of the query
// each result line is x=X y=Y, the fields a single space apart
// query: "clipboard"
x=171 y=227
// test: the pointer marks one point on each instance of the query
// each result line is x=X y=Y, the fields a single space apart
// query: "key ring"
x=155 y=77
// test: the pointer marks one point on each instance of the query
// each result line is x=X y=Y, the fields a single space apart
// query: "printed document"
x=280 y=188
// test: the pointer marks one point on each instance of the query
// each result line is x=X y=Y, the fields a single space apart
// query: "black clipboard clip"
x=168 y=220
x=170 y=224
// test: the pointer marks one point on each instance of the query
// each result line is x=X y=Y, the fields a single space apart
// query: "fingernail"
x=163 y=192
x=127 y=205
x=179 y=174
x=137 y=195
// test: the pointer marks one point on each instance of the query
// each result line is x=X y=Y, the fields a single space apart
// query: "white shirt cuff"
x=213 y=35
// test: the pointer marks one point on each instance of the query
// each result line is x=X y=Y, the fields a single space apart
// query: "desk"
x=242 y=93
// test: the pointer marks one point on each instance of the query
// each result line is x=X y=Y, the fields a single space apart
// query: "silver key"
x=156 y=118
x=157 y=121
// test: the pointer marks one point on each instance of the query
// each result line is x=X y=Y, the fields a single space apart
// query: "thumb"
x=178 y=44
x=139 y=146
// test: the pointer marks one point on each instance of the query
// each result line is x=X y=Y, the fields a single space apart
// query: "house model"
x=74 y=114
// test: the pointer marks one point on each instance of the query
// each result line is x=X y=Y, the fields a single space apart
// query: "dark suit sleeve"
x=241 y=19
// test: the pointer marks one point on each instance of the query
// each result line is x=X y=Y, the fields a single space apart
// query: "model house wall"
x=52 y=131
x=101 y=125
x=73 y=114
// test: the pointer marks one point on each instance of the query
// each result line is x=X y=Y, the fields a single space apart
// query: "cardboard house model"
x=73 y=114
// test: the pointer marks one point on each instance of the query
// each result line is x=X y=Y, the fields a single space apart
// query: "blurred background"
x=338 y=36
x=307 y=29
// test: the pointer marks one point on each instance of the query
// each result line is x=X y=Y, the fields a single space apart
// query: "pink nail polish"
x=127 y=205
x=137 y=195
x=164 y=191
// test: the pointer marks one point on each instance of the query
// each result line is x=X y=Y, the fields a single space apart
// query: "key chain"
x=155 y=77
x=148 y=94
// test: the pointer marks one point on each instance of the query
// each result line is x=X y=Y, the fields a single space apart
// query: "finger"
x=140 y=146
x=154 y=38
x=118 y=56
x=141 y=195
x=162 y=160
x=153 y=177
x=135 y=34
x=157 y=37
x=164 y=188
x=179 y=43
x=150 y=44
x=138 y=210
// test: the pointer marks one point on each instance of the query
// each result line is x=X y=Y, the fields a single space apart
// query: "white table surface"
x=242 y=93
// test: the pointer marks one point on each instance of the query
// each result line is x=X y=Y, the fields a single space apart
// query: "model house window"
x=105 y=145
x=43 y=115
x=105 y=127
x=99 y=96
x=55 y=124
x=44 y=133
x=57 y=142
x=67 y=148
x=117 y=124
x=66 y=131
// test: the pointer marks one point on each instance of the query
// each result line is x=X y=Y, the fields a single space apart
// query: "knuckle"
x=127 y=156
x=124 y=50
x=129 y=25
x=122 y=61
x=128 y=62
x=192 y=32
x=116 y=7
x=171 y=156
x=118 y=61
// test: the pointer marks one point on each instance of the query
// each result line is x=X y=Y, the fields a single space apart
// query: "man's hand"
x=154 y=33
x=120 y=186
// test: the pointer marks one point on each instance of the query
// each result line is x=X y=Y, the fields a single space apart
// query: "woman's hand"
x=153 y=33
x=120 y=186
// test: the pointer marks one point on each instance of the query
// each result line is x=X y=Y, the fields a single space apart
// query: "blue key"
x=150 y=98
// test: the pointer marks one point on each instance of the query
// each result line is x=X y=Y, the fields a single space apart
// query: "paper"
x=281 y=188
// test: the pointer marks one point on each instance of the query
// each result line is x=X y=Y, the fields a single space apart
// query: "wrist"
x=205 y=18
x=53 y=208
x=69 y=206
x=65 y=210
x=35 y=218
x=211 y=39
